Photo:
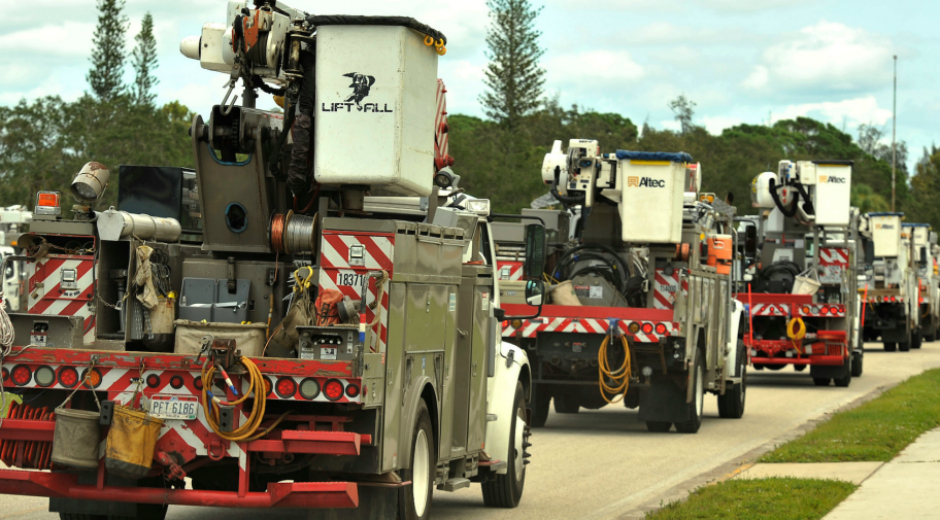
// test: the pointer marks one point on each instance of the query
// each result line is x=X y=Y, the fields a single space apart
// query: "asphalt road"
x=604 y=464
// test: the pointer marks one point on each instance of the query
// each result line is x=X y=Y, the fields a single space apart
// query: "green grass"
x=759 y=499
x=875 y=431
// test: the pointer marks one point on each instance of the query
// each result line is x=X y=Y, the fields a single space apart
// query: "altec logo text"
x=645 y=182
x=831 y=179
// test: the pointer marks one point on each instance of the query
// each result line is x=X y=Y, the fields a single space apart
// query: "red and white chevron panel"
x=665 y=287
x=345 y=258
x=770 y=309
x=531 y=328
x=441 y=136
x=834 y=256
x=48 y=296
x=510 y=271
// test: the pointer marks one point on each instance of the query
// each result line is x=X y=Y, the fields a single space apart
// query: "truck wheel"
x=541 y=398
x=697 y=407
x=415 y=500
x=917 y=340
x=844 y=381
x=506 y=490
x=566 y=404
x=821 y=381
x=890 y=346
x=904 y=347
x=857 y=360
x=731 y=405
x=658 y=426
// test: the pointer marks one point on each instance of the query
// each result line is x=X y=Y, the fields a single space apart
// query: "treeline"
x=506 y=166
x=45 y=142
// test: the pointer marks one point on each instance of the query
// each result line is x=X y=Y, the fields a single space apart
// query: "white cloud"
x=851 y=112
x=716 y=124
x=826 y=57
x=593 y=67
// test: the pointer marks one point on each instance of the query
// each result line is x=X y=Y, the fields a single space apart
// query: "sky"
x=740 y=61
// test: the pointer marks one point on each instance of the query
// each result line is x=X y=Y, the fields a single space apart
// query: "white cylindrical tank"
x=760 y=191
x=553 y=159
x=115 y=225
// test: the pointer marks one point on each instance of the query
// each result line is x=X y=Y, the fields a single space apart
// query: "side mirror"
x=534 y=252
x=534 y=292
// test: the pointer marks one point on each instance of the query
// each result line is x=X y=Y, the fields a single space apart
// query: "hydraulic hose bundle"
x=248 y=431
x=619 y=378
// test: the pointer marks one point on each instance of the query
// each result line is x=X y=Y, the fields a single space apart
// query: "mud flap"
x=376 y=502
x=664 y=401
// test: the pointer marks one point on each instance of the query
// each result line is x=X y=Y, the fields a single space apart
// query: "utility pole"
x=894 y=130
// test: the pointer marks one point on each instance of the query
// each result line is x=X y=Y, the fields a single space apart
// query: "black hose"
x=568 y=258
x=564 y=199
x=773 y=193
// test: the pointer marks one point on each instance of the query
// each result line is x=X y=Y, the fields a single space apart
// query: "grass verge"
x=759 y=499
x=875 y=431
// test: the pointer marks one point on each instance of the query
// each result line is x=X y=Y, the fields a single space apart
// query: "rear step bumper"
x=310 y=495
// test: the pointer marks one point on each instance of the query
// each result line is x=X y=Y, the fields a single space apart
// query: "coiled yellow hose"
x=619 y=377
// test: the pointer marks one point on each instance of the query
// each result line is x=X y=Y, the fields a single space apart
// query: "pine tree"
x=107 y=60
x=684 y=109
x=144 y=62
x=513 y=76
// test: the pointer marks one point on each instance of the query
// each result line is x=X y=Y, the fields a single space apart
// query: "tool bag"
x=131 y=442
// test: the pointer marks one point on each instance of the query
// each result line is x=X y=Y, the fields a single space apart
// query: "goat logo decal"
x=361 y=85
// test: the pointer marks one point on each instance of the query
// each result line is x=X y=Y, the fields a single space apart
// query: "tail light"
x=805 y=309
x=309 y=388
x=285 y=387
x=197 y=384
x=91 y=378
x=45 y=376
x=21 y=375
x=68 y=377
x=634 y=328
x=647 y=328
x=153 y=381
x=176 y=382
x=333 y=389
x=825 y=309
x=48 y=203
x=352 y=391
x=660 y=328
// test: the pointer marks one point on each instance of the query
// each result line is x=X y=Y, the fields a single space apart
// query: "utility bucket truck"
x=891 y=298
x=642 y=306
x=922 y=240
x=802 y=298
x=228 y=341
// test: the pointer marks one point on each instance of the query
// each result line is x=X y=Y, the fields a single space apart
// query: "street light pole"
x=894 y=130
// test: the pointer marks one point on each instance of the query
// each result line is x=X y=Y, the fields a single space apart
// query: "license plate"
x=168 y=406
x=328 y=353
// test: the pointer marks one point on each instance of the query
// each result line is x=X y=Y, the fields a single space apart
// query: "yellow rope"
x=247 y=432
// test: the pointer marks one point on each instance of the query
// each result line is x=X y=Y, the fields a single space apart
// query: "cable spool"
x=299 y=234
x=278 y=225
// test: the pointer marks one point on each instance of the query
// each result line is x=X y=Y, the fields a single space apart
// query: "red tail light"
x=333 y=390
x=660 y=328
x=647 y=328
x=825 y=309
x=352 y=390
x=68 y=377
x=285 y=387
x=21 y=375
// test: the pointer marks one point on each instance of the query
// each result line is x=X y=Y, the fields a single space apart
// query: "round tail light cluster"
x=333 y=389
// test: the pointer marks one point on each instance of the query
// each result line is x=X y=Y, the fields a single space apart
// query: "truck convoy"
x=803 y=306
x=331 y=347
x=901 y=286
x=642 y=303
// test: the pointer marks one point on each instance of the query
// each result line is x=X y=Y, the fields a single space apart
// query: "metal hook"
x=227 y=106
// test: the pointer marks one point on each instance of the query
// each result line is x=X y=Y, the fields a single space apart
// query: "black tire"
x=566 y=404
x=917 y=340
x=541 y=398
x=857 y=364
x=821 y=381
x=844 y=381
x=408 y=496
x=658 y=426
x=890 y=346
x=506 y=490
x=731 y=404
x=696 y=408
x=799 y=368
x=904 y=347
